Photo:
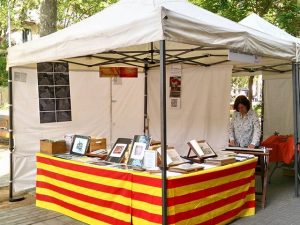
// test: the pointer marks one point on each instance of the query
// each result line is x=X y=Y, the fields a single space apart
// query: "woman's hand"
x=232 y=143
x=251 y=146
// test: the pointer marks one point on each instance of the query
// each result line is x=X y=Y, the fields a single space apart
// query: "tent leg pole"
x=11 y=139
x=296 y=121
x=262 y=110
x=163 y=126
x=146 y=124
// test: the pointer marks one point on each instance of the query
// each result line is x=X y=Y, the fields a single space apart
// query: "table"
x=282 y=148
x=101 y=195
x=261 y=169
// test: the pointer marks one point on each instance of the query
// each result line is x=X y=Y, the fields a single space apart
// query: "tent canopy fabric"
x=256 y=22
x=130 y=25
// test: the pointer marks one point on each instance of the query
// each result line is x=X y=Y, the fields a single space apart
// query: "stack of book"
x=220 y=160
x=186 y=168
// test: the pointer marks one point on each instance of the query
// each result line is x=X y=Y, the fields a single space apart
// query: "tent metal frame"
x=131 y=57
x=165 y=58
x=296 y=101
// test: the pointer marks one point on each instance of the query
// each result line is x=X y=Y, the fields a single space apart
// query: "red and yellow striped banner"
x=100 y=195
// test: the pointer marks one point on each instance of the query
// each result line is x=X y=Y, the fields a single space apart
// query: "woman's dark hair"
x=242 y=100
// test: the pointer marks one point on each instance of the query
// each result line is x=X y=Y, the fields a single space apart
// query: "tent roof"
x=122 y=32
x=256 y=22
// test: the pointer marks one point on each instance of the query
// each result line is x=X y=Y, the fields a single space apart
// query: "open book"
x=201 y=149
x=173 y=158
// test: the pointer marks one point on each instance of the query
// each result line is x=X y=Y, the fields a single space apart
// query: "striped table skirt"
x=99 y=195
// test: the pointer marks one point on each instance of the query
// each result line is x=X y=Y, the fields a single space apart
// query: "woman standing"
x=244 y=130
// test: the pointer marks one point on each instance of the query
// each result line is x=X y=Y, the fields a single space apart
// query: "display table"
x=101 y=195
x=282 y=148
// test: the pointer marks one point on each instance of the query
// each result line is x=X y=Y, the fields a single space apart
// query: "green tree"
x=73 y=11
x=282 y=13
x=48 y=17
x=3 y=72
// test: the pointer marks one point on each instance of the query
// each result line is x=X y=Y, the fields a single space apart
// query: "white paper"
x=150 y=159
x=169 y=160
x=197 y=148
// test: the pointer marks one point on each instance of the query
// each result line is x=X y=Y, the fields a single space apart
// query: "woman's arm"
x=231 y=132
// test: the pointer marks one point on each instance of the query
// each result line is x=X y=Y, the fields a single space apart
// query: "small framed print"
x=138 y=150
x=175 y=103
x=118 y=150
x=80 y=145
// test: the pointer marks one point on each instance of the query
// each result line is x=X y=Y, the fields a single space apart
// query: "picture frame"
x=140 y=144
x=116 y=155
x=118 y=150
x=80 y=145
x=138 y=150
x=201 y=149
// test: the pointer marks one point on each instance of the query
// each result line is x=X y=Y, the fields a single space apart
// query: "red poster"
x=125 y=72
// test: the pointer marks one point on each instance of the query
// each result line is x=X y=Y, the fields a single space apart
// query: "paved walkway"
x=34 y=216
x=4 y=167
x=282 y=209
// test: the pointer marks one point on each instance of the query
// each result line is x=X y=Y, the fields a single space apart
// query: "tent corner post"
x=163 y=118
x=11 y=198
x=296 y=102
x=146 y=122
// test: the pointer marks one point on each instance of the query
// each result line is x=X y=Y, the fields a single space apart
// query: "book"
x=173 y=158
x=243 y=149
x=139 y=145
x=117 y=153
x=201 y=149
x=220 y=160
x=186 y=168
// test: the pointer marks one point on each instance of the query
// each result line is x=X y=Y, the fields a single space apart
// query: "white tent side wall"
x=278 y=105
x=90 y=102
x=204 y=112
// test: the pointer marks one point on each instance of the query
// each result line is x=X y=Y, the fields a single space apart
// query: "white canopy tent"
x=278 y=104
x=150 y=34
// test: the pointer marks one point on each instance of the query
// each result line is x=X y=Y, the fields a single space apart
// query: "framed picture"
x=80 y=145
x=138 y=150
x=201 y=148
x=118 y=150
x=117 y=153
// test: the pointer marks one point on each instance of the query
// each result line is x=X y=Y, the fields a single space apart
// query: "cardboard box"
x=96 y=144
x=52 y=147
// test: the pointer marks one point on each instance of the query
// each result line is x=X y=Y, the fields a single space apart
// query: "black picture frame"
x=61 y=79
x=45 y=79
x=120 y=143
x=47 y=117
x=83 y=141
x=63 y=116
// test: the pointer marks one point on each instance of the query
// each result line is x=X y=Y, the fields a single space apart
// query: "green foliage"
x=282 y=13
x=19 y=14
x=239 y=82
x=3 y=72
x=73 y=11
x=258 y=109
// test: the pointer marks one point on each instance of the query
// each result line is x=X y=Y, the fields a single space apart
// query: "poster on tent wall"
x=123 y=72
x=175 y=86
x=54 y=92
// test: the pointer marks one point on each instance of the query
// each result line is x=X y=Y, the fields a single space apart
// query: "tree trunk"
x=250 y=85
x=48 y=17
